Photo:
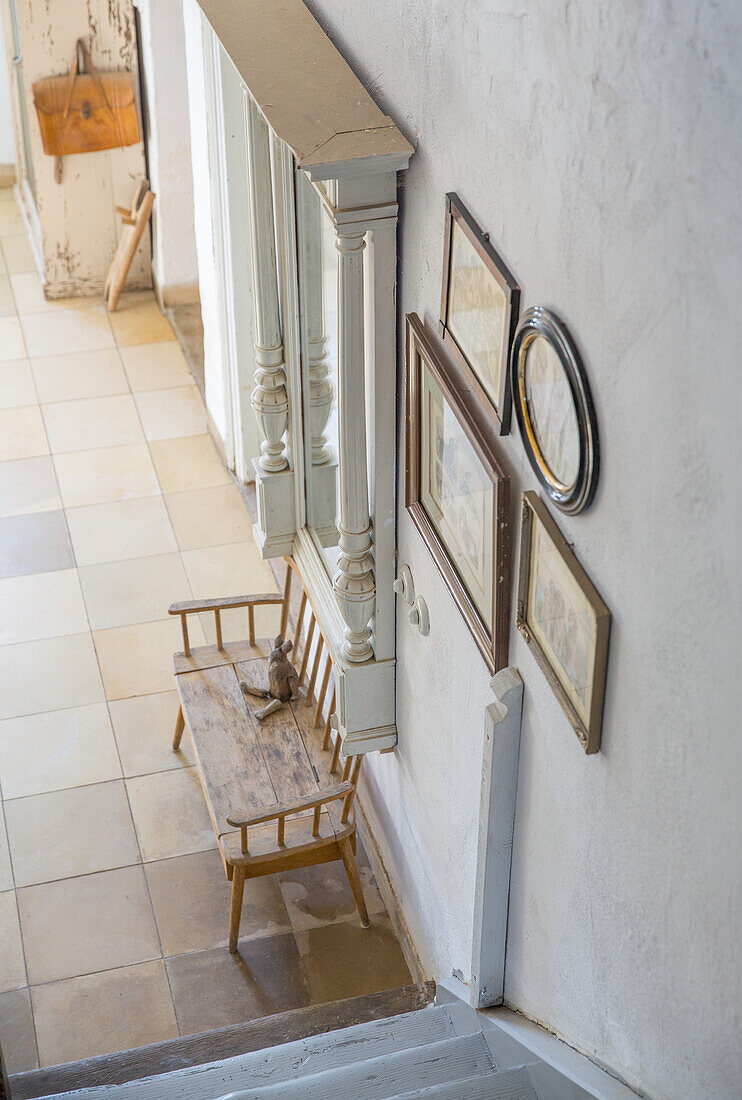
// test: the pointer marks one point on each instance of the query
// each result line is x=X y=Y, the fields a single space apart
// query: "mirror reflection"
x=552 y=411
x=318 y=292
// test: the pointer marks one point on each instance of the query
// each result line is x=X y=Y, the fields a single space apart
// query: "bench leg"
x=351 y=870
x=235 y=909
x=179 y=725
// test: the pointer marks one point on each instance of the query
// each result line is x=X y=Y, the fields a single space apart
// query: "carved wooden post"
x=354 y=583
x=321 y=389
x=269 y=398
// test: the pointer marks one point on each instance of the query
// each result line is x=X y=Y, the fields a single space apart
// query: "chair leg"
x=351 y=870
x=235 y=909
x=179 y=725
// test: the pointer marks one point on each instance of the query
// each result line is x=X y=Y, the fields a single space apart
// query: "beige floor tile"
x=214 y=989
x=3 y=268
x=232 y=570
x=92 y=423
x=49 y=675
x=102 y=1013
x=11 y=339
x=72 y=832
x=170 y=414
x=122 y=529
x=190 y=895
x=35 y=543
x=137 y=320
x=188 y=463
x=377 y=959
x=138 y=590
x=209 y=517
x=7 y=305
x=17 y=253
x=106 y=474
x=156 y=366
x=138 y=660
x=82 y=925
x=55 y=750
x=79 y=374
x=6 y=871
x=17 y=1034
x=66 y=330
x=169 y=813
x=11 y=219
x=22 y=433
x=315 y=896
x=143 y=726
x=16 y=384
x=42 y=605
x=12 y=964
x=28 y=485
x=28 y=292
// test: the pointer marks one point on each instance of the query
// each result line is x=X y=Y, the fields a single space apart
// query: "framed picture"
x=554 y=410
x=479 y=308
x=456 y=492
x=564 y=621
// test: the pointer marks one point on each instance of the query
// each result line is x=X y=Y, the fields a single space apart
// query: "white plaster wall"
x=169 y=145
x=79 y=225
x=7 y=144
x=599 y=144
x=214 y=352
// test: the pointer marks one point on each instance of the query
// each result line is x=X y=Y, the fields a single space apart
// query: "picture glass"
x=477 y=314
x=457 y=494
x=561 y=620
x=552 y=411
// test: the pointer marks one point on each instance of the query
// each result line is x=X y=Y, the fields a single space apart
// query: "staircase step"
x=222 y=1043
x=379 y=1078
x=510 y=1084
x=288 y=1062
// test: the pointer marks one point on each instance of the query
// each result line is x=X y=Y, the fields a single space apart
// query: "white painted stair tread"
x=346 y=1046
x=510 y=1084
x=380 y=1078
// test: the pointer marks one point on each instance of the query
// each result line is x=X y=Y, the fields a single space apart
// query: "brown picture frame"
x=457 y=215
x=589 y=728
x=481 y=433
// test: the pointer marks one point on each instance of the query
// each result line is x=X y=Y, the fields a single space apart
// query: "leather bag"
x=85 y=112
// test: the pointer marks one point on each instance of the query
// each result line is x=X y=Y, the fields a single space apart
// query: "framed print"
x=456 y=492
x=479 y=308
x=554 y=410
x=564 y=621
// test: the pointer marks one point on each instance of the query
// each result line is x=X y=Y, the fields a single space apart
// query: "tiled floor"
x=113 y=901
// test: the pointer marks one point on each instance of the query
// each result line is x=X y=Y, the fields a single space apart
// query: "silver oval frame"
x=576 y=497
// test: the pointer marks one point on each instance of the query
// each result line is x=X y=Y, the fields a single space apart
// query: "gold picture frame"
x=457 y=493
x=564 y=620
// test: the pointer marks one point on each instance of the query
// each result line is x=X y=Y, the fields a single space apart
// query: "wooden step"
x=510 y=1084
x=226 y=1042
x=281 y=1064
x=379 y=1078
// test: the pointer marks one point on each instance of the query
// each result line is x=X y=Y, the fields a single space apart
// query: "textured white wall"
x=163 y=47
x=7 y=145
x=599 y=144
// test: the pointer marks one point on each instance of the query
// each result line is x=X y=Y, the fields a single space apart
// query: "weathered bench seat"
x=272 y=787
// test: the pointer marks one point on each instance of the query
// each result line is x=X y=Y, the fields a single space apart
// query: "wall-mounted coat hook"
x=419 y=616
x=404 y=585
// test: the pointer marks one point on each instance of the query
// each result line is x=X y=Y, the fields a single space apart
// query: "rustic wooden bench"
x=273 y=788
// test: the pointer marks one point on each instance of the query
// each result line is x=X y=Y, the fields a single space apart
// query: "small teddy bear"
x=283 y=679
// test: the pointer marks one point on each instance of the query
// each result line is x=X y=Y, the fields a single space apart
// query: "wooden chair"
x=272 y=788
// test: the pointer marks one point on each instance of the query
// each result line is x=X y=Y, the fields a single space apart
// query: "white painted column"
x=269 y=398
x=321 y=389
x=354 y=584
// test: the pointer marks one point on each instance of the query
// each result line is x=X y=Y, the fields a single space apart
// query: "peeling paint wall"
x=78 y=217
x=600 y=146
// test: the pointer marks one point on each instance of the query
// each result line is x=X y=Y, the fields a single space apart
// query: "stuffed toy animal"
x=283 y=680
